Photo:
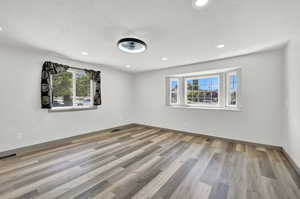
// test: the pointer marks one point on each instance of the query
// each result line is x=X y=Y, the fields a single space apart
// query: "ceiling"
x=171 y=28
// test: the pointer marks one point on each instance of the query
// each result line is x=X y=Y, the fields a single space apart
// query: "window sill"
x=72 y=109
x=206 y=108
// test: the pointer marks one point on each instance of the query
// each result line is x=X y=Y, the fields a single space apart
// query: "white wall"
x=261 y=118
x=140 y=98
x=291 y=134
x=23 y=122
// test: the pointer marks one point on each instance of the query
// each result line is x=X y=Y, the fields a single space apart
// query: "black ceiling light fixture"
x=132 y=45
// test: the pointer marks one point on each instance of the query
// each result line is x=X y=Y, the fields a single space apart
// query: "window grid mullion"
x=91 y=92
x=74 y=88
x=212 y=90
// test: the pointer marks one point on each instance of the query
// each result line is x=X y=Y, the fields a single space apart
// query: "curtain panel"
x=96 y=77
x=50 y=68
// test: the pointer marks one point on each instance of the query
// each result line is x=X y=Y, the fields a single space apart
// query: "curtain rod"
x=77 y=68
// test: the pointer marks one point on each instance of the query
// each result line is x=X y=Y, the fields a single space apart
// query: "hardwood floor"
x=141 y=162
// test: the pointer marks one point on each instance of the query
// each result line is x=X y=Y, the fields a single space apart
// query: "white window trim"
x=228 y=74
x=202 y=104
x=74 y=108
x=223 y=89
x=170 y=91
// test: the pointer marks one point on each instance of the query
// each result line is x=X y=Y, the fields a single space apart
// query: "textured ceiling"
x=171 y=28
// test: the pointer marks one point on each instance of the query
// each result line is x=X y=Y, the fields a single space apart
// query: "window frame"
x=70 y=108
x=170 y=91
x=228 y=74
x=185 y=79
x=222 y=74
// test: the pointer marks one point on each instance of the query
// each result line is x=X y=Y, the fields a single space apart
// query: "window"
x=202 y=90
x=212 y=89
x=232 y=88
x=174 y=91
x=72 y=89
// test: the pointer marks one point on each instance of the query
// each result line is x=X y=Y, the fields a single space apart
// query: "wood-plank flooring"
x=142 y=162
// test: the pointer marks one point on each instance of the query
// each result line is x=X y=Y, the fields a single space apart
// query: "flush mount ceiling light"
x=200 y=3
x=164 y=59
x=84 y=53
x=132 y=45
x=1 y=28
x=128 y=66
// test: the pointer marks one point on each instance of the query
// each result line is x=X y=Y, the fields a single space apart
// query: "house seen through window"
x=232 y=88
x=202 y=90
x=174 y=91
x=216 y=88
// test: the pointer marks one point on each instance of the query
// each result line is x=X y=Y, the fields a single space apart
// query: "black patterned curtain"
x=96 y=77
x=49 y=69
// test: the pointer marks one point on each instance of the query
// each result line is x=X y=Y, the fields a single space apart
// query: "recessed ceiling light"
x=1 y=28
x=164 y=59
x=220 y=46
x=128 y=66
x=84 y=53
x=200 y=3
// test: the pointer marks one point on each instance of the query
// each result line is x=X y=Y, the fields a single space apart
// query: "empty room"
x=159 y=99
